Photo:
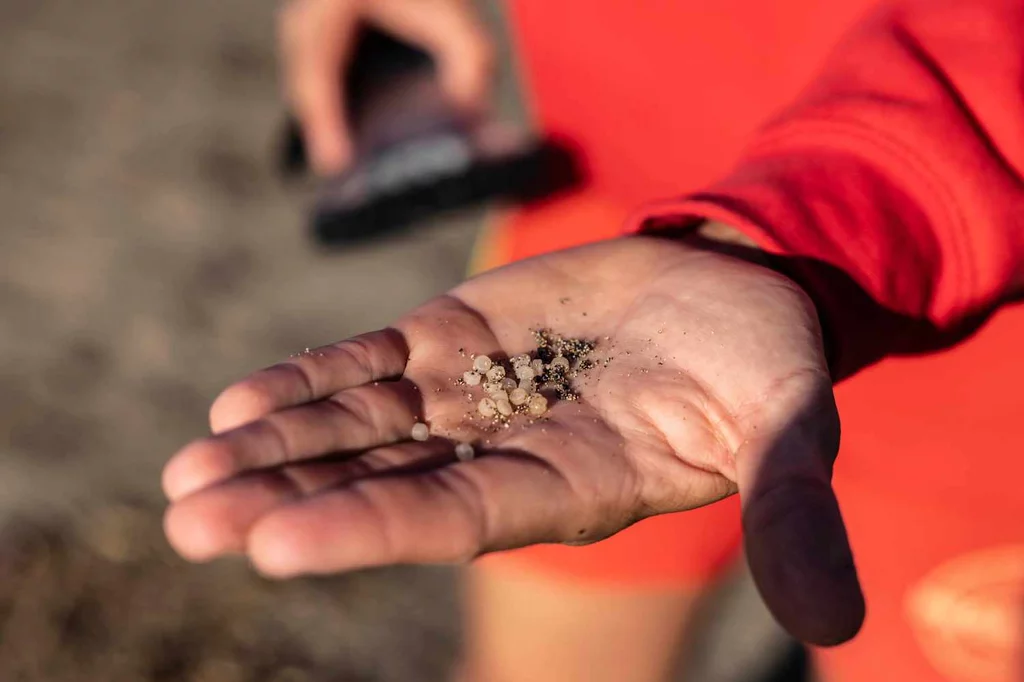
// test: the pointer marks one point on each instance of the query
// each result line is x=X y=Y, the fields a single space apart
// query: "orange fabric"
x=688 y=550
x=582 y=217
x=662 y=96
x=929 y=482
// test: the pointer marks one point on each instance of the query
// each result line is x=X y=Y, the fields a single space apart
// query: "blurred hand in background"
x=317 y=39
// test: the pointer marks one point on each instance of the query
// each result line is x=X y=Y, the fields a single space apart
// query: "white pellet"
x=420 y=431
x=482 y=363
x=560 y=361
x=528 y=385
x=538 y=405
x=518 y=396
x=464 y=451
x=471 y=378
x=504 y=408
x=525 y=372
x=496 y=373
x=491 y=387
x=520 y=360
x=487 y=408
x=499 y=395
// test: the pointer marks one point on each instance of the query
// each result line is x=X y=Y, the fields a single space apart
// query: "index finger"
x=312 y=375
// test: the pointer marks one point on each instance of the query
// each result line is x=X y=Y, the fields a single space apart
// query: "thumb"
x=452 y=33
x=795 y=540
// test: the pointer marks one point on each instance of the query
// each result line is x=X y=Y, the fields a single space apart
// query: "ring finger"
x=216 y=520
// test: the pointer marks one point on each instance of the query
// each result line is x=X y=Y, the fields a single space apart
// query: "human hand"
x=716 y=383
x=316 y=41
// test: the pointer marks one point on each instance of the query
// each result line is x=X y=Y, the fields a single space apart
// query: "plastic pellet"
x=518 y=396
x=504 y=408
x=487 y=408
x=420 y=431
x=560 y=361
x=464 y=451
x=525 y=372
x=496 y=373
x=528 y=385
x=482 y=363
x=537 y=366
x=491 y=387
x=471 y=378
x=538 y=405
x=520 y=360
x=499 y=395
x=508 y=384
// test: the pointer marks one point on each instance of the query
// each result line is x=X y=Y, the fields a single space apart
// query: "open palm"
x=715 y=382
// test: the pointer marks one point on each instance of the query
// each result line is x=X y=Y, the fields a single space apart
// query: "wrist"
x=718 y=238
x=724 y=234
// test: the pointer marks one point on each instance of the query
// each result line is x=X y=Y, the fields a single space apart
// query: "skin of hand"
x=316 y=38
x=716 y=384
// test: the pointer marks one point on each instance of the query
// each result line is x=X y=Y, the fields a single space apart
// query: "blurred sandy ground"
x=148 y=256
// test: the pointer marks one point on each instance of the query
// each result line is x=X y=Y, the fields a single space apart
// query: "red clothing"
x=920 y=112
x=895 y=180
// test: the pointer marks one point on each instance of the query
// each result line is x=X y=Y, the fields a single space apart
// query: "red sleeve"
x=896 y=176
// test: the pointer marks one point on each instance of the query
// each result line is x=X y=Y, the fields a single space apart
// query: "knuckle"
x=355 y=405
x=477 y=528
x=299 y=370
x=360 y=354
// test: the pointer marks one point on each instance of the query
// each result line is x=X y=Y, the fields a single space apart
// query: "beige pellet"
x=538 y=405
x=491 y=387
x=508 y=384
x=472 y=378
x=537 y=366
x=420 y=431
x=500 y=395
x=525 y=372
x=464 y=451
x=482 y=363
x=520 y=360
x=504 y=408
x=487 y=408
x=560 y=361
x=496 y=373
x=518 y=397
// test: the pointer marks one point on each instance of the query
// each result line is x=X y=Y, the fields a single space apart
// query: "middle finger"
x=354 y=420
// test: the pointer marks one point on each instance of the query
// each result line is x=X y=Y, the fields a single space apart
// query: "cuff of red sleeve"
x=689 y=213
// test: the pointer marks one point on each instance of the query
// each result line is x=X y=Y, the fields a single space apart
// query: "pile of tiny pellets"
x=556 y=362
x=551 y=368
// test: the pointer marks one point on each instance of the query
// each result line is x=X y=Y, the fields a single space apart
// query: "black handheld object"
x=416 y=155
